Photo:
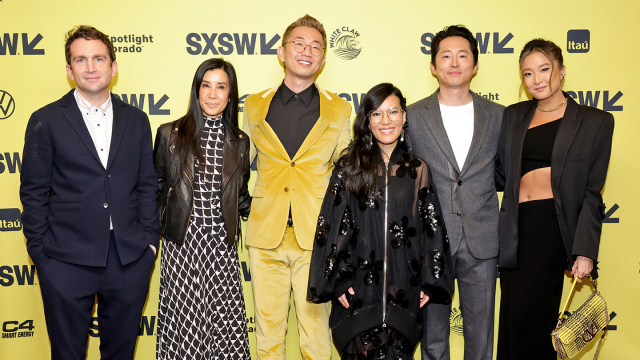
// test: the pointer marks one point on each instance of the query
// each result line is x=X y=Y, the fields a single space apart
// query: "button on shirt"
x=99 y=121
x=292 y=116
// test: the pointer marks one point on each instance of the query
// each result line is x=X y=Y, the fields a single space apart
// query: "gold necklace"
x=559 y=106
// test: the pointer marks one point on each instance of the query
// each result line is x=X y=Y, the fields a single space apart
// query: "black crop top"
x=538 y=146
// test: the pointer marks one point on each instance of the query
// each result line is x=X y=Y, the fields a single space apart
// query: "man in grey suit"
x=456 y=132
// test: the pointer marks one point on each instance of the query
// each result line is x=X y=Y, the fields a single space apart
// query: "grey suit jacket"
x=467 y=195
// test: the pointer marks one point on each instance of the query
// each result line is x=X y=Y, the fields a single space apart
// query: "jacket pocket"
x=258 y=191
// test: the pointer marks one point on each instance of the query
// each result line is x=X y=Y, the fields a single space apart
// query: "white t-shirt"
x=458 y=122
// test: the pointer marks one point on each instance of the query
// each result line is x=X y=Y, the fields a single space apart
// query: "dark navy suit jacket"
x=68 y=196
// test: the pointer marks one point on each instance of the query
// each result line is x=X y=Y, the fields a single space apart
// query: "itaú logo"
x=10 y=220
x=578 y=41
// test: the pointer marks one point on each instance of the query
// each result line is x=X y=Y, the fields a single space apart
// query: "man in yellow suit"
x=297 y=131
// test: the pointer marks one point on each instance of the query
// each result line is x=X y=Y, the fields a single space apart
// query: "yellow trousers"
x=274 y=274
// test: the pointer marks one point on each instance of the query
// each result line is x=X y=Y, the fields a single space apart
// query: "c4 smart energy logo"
x=10 y=220
x=7 y=105
x=16 y=329
x=578 y=41
x=345 y=44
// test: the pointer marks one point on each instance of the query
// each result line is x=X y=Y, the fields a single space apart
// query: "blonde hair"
x=307 y=21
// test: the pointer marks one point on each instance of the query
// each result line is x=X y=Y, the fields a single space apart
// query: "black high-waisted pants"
x=531 y=293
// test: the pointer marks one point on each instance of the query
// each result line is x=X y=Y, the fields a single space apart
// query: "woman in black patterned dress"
x=202 y=161
x=381 y=251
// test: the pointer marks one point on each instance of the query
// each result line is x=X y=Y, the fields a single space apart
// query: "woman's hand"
x=423 y=298
x=343 y=298
x=582 y=267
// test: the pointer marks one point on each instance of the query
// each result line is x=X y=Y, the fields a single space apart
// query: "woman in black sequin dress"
x=380 y=251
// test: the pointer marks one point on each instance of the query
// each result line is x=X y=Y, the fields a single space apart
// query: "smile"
x=304 y=62
x=387 y=131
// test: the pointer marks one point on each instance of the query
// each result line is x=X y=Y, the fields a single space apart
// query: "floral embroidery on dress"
x=322 y=230
x=408 y=165
x=371 y=269
x=398 y=300
x=402 y=233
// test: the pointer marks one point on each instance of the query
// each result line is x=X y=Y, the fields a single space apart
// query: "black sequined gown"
x=387 y=249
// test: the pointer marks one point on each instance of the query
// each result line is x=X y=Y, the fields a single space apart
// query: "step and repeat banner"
x=159 y=45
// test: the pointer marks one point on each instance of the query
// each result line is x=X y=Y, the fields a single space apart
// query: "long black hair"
x=191 y=124
x=362 y=159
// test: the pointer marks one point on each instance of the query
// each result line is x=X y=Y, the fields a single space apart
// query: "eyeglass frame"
x=305 y=47
x=385 y=112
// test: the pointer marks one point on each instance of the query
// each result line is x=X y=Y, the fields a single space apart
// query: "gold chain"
x=553 y=108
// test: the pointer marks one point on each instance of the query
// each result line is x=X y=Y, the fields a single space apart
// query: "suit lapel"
x=519 y=132
x=480 y=124
x=433 y=119
x=269 y=134
x=73 y=115
x=566 y=132
x=326 y=115
x=119 y=125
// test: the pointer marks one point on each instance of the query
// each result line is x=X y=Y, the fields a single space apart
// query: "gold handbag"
x=573 y=333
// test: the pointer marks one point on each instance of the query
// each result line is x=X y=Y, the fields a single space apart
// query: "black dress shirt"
x=292 y=116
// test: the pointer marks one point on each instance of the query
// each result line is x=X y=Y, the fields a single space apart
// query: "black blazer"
x=68 y=195
x=579 y=165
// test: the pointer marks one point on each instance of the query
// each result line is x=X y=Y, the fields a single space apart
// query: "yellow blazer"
x=300 y=182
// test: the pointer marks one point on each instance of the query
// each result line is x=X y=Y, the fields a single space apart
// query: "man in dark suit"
x=88 y=188
x=456 y=132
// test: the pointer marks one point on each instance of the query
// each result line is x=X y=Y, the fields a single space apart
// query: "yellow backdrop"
x=160 y=43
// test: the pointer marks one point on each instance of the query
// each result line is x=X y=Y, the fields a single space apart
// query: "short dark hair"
x=307 y=21
x=454 y=30
x=87 y=33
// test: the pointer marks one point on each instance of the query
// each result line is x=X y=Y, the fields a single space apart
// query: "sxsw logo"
x=226 y=44
x=154 y=107
x=353 y=98
x=10 y=220
x=22 y=275
x=499 y=43
x=10 y=162
x=578 y=41
x=147 y=325
x=10 y=42
x=7 y=105
x=592 y=98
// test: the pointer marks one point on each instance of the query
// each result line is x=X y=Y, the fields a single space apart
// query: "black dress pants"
x=531 y=293
x=69 y=292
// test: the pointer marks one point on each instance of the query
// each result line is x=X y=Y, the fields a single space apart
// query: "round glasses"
x=394 y=114
x=299 y=46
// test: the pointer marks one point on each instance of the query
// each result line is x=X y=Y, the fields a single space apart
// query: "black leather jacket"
x=175 y=202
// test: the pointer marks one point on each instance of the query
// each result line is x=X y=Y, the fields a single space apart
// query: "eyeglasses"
x=299 y=46
x=394 y=114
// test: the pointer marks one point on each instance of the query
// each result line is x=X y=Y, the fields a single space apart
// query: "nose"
x=385 y=119
x=307 y=50
x=454 y=62
x=536 y=78
x=91 y=66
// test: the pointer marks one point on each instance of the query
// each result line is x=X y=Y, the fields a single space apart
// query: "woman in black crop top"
x=552 y=164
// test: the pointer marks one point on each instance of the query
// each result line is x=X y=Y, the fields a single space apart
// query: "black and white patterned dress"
x=201 y=313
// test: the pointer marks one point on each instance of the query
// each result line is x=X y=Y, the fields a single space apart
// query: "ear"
x=475 y=68
x=70 y=73
x=114 y=68
x=433 y=69
x=281 y=53
x=324 y=59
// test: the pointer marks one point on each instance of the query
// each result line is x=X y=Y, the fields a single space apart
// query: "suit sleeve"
x=589 y=229
x=147 y=187
x=35 y=183
x=245 y=127
x=500 y=158
x=345 y=137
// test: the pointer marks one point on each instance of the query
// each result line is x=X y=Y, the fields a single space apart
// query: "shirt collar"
x=84 y=105
x=305 y=95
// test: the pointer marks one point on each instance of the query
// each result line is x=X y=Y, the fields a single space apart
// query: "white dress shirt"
x=458 y=123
